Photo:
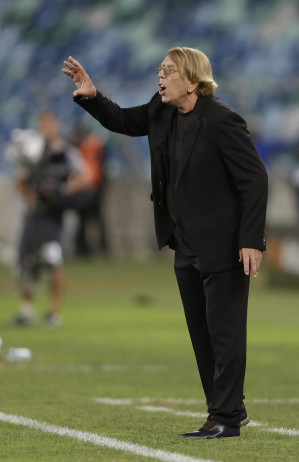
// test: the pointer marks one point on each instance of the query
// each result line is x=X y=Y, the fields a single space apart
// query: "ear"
x=192 y=87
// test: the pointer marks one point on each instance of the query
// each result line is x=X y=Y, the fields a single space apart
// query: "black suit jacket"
x=221 y=192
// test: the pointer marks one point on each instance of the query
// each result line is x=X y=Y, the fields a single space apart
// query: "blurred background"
x=253 y=47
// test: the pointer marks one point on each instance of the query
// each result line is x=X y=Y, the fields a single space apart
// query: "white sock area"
x=27 y=309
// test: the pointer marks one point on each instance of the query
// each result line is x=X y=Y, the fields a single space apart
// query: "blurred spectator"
x=50 y=184
x=93 y=151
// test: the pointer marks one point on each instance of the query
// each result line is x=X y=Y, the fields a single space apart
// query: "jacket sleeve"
x=249 y=176
x=128 y=121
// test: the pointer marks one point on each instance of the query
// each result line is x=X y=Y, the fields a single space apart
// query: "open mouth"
x=162 y=89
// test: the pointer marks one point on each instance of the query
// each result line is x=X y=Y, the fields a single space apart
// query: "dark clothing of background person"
x=43 y=222
x=92 y=150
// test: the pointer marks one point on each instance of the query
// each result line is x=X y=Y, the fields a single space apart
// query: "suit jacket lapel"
x=162 y=131
x=192 y=132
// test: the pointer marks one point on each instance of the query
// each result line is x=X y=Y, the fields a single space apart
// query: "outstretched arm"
x=128 y=121
x=81 y=79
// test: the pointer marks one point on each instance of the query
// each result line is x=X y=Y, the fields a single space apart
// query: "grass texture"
x=124 y=337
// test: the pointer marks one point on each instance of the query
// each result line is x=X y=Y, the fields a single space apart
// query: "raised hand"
x=78 y=74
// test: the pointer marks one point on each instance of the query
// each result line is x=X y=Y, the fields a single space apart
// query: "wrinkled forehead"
x=167 y=61
x=175 y=62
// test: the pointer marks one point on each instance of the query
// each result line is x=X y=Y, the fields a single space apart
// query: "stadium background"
x=124 y=335
x=254 y=49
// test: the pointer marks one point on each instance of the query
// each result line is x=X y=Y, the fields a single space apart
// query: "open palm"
x=77 y=73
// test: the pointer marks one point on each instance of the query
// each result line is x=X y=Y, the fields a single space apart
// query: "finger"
x=253 y=266
x=76 y=64
x=69 y=65
x=258 y=263
x=240 y=256
x=246 y=264
x=66 y=72
x=78 y=92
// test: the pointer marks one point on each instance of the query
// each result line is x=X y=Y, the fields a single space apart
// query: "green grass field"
x=124 y=338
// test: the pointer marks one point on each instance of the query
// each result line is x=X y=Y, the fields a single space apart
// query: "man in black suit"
x=209 y=193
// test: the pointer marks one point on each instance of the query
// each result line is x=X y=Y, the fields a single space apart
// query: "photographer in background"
x=49 y=185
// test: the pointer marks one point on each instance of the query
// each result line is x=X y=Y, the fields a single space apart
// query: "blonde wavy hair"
x=196 y=66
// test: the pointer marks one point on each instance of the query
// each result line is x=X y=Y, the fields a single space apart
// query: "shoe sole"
x=245 y=422
x=221 y=437
x=208 y=437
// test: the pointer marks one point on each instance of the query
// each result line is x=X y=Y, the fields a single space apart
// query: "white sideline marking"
x=172 y=411
x=281 y=430
x=122 y=402
x=87 y=368
x=197 y=401
x=126 y=401
x=114 y=402
x=99 y=440
x=126 y=367
x=248 y=400
x=115 y=367
x=273 y=401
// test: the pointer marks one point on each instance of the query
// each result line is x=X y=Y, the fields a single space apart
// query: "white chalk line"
x=281 y=430
x=273 y=401
x=126 y=401
x=99 y=440
x=130 y=401
x=172 y=411
x=86 y=368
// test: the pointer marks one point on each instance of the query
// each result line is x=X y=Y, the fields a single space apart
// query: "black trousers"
x=215 y=307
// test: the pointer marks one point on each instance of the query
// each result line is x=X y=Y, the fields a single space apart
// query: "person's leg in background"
x=27 y=273
x=52 y=257
x=26 y=312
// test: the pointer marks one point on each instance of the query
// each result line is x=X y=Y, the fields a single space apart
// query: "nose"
x=161 y=74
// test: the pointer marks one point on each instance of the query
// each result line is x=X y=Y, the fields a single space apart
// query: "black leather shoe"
x=212 y=429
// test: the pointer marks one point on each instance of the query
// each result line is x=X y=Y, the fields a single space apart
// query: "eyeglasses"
x=166 y=70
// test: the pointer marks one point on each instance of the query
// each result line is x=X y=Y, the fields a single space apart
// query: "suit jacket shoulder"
x=215 y=109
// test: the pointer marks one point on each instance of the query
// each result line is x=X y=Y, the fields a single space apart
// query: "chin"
x=165 y=100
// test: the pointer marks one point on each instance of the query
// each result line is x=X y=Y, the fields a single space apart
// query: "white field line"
x=252 y=401
x=190 y=401
x=126 y=401
x=273 y=401
x=172 y=411
x=86 y=368
x=99 y=440
x=281 y=430
x=129 y=401
x=114 y=402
